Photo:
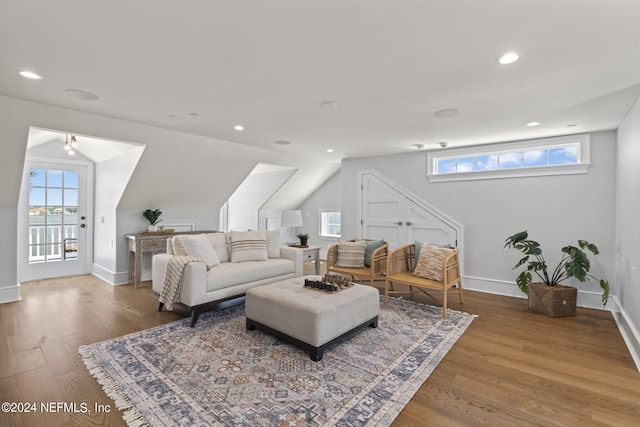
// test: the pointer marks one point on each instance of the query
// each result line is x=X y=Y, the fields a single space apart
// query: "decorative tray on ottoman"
x=330 y=283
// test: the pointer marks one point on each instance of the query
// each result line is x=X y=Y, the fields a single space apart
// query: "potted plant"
x=304 y=238
x=549 y=296
x=153 y=216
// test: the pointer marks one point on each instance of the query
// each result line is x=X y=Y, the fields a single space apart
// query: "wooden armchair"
x=378 y=265
x=399 y=266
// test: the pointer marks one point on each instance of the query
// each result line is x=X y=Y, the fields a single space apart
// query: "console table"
x=148 y=242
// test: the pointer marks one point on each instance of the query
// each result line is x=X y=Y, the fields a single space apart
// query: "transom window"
x=550 y=156
x=330 y=223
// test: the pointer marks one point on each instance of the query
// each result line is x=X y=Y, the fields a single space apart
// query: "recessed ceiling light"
x=447 y=112
x=329 y=150
x=419 y=146
x=282 y=142
x=329 y=104
x=194 y=115
x=509 y=58
x=82 y=94
x=239 y=128
x=532 y=124
x=30 y=75
x=572 y=126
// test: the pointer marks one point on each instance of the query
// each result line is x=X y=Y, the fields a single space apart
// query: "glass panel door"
x=55 y=227
x=53 y=215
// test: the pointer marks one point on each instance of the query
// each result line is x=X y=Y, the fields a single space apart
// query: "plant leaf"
x=518 y=237
x=521 y=262
x=604 y=284
x=523 y=281
x=577 y=264
x=528 y=247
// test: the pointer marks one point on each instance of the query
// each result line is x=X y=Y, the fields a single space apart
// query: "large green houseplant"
x=574 y=263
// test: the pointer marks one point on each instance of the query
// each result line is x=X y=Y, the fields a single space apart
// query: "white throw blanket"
x=173 y=279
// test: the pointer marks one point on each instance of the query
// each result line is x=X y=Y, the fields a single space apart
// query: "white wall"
x=326 y=197
x=557 y=210
x=627 y=289
x=250 y=196
x=178 y=171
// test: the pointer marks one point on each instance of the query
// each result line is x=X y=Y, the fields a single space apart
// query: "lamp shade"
x=291 y=219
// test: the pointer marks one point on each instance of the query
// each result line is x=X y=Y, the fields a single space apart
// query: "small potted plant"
x=304 y=238
x=549 y=296
x=153 y=216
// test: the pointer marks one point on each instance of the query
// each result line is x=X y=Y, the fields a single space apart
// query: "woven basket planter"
x=554 y=301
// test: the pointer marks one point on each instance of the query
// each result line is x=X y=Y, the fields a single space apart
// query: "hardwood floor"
x=512 y=367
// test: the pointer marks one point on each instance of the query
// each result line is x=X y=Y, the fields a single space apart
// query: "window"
x=549 y=156
x=330 y=223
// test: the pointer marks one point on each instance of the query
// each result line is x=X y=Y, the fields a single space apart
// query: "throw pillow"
x=431 y=262
x=178 y=245
x=273 y=244
x=417 y=252
x=371 y=247
x=198 y=246
x=248 y=246
x=351 y=254
x=219 y=243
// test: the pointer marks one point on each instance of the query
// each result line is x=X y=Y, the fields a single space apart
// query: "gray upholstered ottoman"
x=311 y=318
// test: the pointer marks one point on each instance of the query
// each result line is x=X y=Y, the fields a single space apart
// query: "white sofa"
x=232 y=263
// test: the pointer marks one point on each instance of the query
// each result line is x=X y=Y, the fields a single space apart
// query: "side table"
x=311 y=253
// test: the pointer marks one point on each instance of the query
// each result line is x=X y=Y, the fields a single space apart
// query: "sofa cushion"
x=431 y=262
x=248 y=246
x=231 y=274
x=219 y=243
x=351 y=254
x=273 y=244
x=199 y=246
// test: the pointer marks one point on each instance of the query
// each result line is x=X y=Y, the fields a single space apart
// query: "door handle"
x=409 y=223
x=82 y=226
x=398 y=223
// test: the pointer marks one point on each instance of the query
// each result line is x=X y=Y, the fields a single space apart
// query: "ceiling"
x=204 y=66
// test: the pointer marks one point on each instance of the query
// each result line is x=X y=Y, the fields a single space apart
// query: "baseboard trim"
x=10 y=293
x=630 y=333
x=111 y=277
x=586 y=299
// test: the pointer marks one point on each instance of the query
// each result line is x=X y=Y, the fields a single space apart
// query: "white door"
x=392 y=213
x=382 y=212
x=53 y=236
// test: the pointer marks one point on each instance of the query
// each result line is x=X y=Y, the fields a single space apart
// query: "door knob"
x=398 y=223
x=409 y=223
x=82 y=226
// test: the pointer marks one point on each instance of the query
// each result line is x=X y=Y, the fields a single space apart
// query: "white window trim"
x=583 y=164
x=320 y=235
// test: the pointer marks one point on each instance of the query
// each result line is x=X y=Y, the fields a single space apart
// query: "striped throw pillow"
x=248 y=246
x=351 y=254
x=431 y=262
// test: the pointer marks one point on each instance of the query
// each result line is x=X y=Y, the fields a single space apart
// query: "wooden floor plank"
x=511 y=367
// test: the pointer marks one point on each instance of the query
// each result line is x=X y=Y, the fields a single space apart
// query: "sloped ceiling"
x=203 y=66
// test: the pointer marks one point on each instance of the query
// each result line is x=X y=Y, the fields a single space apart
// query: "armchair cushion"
x=198 y=246
x=431 y=262
x=371 y=247
x=248 y=246
x=351 y=254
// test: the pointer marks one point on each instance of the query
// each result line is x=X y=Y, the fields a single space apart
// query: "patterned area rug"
x=218 y=373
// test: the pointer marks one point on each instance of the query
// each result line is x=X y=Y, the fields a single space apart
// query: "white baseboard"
x=629 y=332
x=111 y=277
x=10 y=293
x=586 y=299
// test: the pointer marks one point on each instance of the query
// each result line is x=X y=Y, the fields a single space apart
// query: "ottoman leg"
x=316 y=353
x=250 y=325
